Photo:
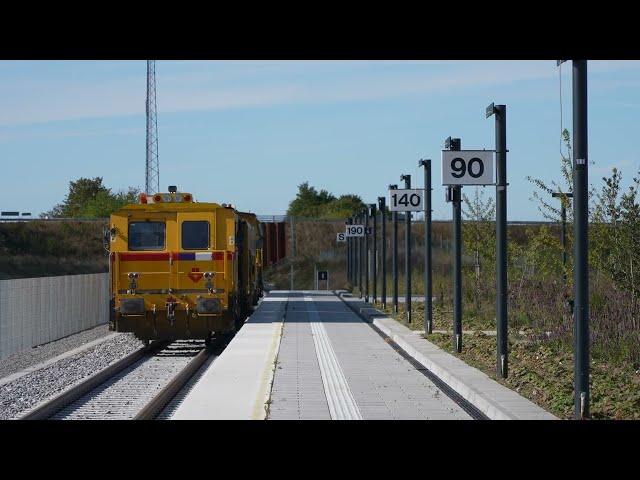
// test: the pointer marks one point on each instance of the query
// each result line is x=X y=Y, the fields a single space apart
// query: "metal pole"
x=502 y=350
x=348 y=222
x=455 y=196
x=374 y=215
x=581 y=247
x=356 y=254
x=394 y=256
x=563 y=239
x=348 y=254
x=383 y=213
x=366 y=256
x=428 y=274
x=361 y=259
x=457 y=269
x=293 y=252
x=407 y=253
x=564 y=200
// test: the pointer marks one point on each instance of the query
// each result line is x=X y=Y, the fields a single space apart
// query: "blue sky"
x=248 y=132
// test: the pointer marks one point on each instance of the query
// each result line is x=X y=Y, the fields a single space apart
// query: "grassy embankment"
x=540 y=369
x=40 y=249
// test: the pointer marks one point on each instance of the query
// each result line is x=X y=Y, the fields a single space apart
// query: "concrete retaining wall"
x=34 y=311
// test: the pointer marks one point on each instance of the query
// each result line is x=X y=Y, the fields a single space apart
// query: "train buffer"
x=323 y=355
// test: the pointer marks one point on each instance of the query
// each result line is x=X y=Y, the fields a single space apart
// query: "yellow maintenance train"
x=182 y=269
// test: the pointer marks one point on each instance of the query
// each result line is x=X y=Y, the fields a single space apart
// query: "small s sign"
x=342 y=237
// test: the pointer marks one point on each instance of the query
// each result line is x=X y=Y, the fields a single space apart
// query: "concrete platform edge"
x=261 y=408
x=485 y=401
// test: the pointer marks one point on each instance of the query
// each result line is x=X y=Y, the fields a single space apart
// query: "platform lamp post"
x=367 y=258
x=382 y=205
x=359 y=241
x=502 y=354
x=394 y=255
x=407 y=253
x=428 y=278
x=348 y=222
x=374 y=234
x=454 y=195
x=564 y=201
x=580 y=241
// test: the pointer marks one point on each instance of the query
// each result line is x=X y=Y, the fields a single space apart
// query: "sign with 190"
x=358 y=231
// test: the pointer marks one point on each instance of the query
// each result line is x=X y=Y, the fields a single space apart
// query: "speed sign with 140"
x=406 y=200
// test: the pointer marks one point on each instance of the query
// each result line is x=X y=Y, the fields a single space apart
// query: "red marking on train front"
x=195 y=275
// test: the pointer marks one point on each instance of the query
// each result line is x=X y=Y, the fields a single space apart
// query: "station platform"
x=309 y=355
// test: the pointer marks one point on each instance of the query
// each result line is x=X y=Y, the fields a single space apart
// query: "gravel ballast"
x=32 y=356
x=26 y=392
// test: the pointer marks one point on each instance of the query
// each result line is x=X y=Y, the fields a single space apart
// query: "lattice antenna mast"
x=152 y=184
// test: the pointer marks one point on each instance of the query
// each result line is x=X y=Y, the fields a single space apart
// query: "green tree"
x=105 y=203
x=547 y=205
x=312 y=203
x=89 y=198
x=342 y=207
x=478 y=237
x=615 y=232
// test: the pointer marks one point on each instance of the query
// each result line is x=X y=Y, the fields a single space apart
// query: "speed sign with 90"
x=467 y=167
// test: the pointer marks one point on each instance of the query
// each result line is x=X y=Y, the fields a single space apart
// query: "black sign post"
x=407 y=253
x=454 y=195
x=374 y=259
x=581 y=245
x=564 y=201
x=360 y=242
x=383 y=255
x=366 y=255
x=348 y=239
x=428 y=284
x=394 y=255
x=502 y=351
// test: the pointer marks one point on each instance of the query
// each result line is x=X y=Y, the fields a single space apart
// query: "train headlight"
x=208 y=275
x=132 y=275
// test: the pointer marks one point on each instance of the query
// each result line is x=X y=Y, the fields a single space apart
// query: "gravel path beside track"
x=26 y=392
x=32 y=356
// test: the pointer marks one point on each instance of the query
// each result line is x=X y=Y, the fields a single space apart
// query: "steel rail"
x=177 y=383
x=50 y=407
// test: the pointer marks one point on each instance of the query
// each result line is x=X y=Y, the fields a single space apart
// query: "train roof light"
x=173 y=197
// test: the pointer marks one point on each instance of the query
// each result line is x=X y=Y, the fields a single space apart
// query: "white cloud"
x=228 y=85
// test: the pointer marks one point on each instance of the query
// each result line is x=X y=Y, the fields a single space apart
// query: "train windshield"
x=195 y=235
x=146 y=235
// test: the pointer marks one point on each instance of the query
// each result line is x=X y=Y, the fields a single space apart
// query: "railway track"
x=138 y=387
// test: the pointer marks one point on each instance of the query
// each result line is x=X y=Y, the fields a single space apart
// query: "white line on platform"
x=342 y=405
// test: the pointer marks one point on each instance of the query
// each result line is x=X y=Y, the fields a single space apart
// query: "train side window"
x=146 y=235
x=195 y=235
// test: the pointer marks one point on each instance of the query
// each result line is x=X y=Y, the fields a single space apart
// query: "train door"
x=241 y=249
x=194 y=252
